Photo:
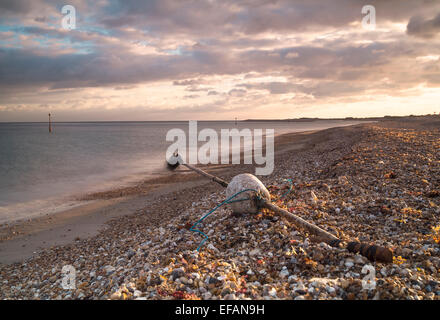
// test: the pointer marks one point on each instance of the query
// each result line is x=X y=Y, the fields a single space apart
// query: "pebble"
x=177 y=273
x=115 y=296
x=330 y=290
x=284 y=273
x=109 y=270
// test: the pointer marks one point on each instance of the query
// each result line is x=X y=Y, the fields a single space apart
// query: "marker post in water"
x=50 y=125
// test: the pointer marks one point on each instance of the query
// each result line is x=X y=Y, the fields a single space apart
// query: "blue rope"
x=290 y=188
x=229 y=200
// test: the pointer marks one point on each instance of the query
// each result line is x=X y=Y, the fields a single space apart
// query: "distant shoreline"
x=385 y=118
x=304 y=119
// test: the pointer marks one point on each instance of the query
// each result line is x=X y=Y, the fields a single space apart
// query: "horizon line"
x=234 y=120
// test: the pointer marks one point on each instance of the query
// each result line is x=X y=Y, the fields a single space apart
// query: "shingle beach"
x=376 y=182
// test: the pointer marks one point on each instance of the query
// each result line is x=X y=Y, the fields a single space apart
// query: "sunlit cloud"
x=171 y=59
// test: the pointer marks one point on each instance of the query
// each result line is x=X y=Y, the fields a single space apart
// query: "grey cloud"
x=227 y=40
x=16 y=6
x=117 y=67
x=205 y=17
x=318 y=90
x=237 y=92
x=272 y=87
x=332 y=89
x=191 y=96
x=139 y=112
x=186 y=82
x=426 y=28
x=88 y=70
x=197 y=89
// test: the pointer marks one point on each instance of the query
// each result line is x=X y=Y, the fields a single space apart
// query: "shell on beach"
x=242 y=182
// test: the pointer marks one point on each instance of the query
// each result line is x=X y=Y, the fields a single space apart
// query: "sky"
x=146 y=60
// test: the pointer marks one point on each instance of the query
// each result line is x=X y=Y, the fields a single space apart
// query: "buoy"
x=242 y=182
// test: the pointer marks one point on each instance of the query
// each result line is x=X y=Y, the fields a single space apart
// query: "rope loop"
x=290 y=188
x=229 y=200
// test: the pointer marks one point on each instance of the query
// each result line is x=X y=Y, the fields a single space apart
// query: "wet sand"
x=25 y=239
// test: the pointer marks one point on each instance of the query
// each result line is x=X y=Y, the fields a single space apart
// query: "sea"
x=43 y=173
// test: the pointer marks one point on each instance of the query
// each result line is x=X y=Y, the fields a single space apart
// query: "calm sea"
x=41 y=173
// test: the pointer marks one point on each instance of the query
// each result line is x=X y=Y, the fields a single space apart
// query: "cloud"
x=237 y=92
x=425 y=28
x=186 y=82
x=253 y=16
x=255 y=52
x=16 y=6
x=272 y=87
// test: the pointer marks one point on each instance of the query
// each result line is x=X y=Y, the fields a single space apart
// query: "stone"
x=330 y=289
x=358 y=259
x=345 y=283
x=351 y=296
x=137 y=293
x=273 y=292
x=318 y=256
x=284 y=273
x=115 y=296
x=109 y=270
x=349 y=263
x=177 y=273
x=130 y=253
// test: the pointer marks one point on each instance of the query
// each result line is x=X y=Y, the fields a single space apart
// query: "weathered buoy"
x=242 y=182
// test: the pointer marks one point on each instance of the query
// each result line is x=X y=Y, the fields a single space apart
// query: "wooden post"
x=222 y=182
x=50 y=125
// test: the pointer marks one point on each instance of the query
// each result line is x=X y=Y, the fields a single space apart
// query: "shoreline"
x=22 y=239
x=374 y=183
x=134 y=181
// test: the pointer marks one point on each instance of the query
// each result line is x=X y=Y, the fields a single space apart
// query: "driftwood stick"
x=370 y=251
x=175 y=160
x=210 y=176
x=300 y=222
